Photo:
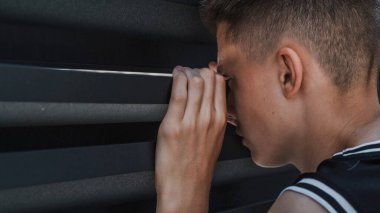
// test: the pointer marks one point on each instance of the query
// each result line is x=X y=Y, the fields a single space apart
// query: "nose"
x=231 y=113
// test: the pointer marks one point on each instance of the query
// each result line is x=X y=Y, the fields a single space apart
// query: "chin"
x=266 y=163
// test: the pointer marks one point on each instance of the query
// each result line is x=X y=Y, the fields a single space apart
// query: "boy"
x=302 y=76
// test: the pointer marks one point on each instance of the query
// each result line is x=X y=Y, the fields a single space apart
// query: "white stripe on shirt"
x=313 y=196
x=334 y=194
x=363 y=151
x=357 y=147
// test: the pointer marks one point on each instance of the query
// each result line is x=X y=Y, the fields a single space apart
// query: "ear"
x=291 y=71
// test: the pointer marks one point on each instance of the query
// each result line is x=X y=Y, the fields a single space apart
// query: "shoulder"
x=291 y=201
x=348 y=182
x=313 y=194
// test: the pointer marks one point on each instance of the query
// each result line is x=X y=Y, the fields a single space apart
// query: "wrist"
x=183 y=199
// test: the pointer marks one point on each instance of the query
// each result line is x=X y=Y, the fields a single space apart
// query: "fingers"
x=220 y=96
x=213 y=66
x=195 y=94
x=220 y=91
x=178 y=98
x=209 y=91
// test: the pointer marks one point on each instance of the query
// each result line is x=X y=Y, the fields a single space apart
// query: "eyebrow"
x=221 y=70
x=224 y=68
x=226 y=64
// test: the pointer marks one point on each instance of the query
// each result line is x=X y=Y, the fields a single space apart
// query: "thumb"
x=213 y=66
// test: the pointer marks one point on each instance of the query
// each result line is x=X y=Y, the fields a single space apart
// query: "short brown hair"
x=342 y=34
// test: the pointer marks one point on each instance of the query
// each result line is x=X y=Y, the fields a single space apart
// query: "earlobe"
x=291 y=71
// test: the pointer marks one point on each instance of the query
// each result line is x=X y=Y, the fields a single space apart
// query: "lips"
x=244 y=143
x=237 y=131
x=232 y=120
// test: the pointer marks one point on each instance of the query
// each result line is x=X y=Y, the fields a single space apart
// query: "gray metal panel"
x=20 y=83
x=142 y=18
x=114 y=189
x=50 y=114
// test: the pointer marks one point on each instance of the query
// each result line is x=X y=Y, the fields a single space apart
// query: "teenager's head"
x=291 y=62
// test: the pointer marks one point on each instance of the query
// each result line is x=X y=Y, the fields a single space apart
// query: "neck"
x=342 y=122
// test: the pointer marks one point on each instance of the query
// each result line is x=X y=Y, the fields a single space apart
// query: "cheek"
x=259 y=111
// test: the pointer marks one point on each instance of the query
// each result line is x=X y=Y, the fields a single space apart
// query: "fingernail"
x=179 y=68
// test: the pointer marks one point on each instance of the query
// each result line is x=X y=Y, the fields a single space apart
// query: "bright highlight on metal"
x=116 y=72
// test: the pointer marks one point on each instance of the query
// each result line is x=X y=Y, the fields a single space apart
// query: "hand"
x=190 y=139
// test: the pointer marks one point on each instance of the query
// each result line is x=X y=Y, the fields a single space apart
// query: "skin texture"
x=189 y=140
x=285 y=107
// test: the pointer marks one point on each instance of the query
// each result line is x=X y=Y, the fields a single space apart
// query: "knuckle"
x=169 y=130
x=188 y=73
x=220 y=78
x=178 y=98
x=197 y=81
x=206 y=71
x=189 y=125
x=221 y=118
x=180 y=76
x=175 y=132
x=205 y=125
x=163 y=130
x=206 y=118
x=207 y=74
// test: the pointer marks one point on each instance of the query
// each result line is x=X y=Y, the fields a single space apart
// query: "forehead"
x=226 y=60
x=228 y=52
x=221 y=37
x=224 y=47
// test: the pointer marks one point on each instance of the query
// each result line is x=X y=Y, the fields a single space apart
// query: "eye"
x=228 y=83
x=227 y=78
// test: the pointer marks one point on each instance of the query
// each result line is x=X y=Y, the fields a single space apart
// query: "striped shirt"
x=347 y=182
